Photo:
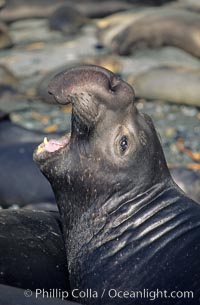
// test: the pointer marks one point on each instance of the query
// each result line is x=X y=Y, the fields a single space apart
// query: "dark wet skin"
x=32 y=253
x=14 y=296
x=127 y=225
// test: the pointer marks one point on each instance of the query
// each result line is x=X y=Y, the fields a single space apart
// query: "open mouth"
x=84 y=87
x=48 y=147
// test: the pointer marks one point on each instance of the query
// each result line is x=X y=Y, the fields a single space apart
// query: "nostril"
x=114 y=82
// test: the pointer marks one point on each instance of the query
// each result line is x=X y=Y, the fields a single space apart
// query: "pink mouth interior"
x=55 y=144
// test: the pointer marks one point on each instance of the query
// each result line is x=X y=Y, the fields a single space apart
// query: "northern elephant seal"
x=151 y=28
x=127 y=226
x=32 y=254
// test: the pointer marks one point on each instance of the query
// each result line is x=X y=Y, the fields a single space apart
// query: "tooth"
x=40 y=148
x=45 y=141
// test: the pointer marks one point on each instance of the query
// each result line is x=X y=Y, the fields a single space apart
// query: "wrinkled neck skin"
x=86 y=229
x=119 y=242
x=127 y=226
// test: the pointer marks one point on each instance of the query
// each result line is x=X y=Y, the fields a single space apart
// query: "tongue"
x=54 y=144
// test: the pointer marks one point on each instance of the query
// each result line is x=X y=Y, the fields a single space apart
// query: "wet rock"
x=7 y=77
x=188 y=180
x=21 y=181
x=182 y=125
x=5 y=39
x=173 y=84
x=21 y=9
x=31 y=58
x=11 y=133
x=43 y=118
x=12 y=100
x=40 y=34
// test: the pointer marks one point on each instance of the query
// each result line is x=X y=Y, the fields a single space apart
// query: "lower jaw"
x=50 y=149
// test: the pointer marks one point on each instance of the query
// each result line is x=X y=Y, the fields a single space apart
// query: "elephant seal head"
x=112 y=153
x=111 y=147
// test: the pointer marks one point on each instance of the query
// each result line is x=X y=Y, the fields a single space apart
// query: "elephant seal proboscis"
x=127 y=226
x=109 y=62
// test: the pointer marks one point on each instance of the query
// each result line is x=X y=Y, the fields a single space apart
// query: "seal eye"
x=123 y=143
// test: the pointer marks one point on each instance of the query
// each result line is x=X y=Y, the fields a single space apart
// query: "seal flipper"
x=32 y=254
